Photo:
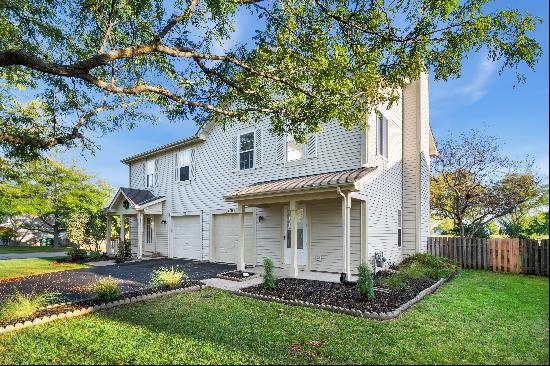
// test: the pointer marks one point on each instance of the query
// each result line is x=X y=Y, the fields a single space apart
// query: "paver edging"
x=91 y=309
x=354 y=312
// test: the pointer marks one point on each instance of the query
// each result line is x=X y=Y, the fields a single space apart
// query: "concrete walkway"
x=32 y=255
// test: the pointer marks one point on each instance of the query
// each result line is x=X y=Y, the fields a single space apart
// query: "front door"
x=302 y=236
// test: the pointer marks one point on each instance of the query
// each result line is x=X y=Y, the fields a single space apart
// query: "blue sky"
x=515 y=113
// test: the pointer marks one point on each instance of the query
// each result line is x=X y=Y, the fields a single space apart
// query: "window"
x=382 y=135
x=150 y=173
x=294 y=151
x=148 y=230
x=246 y=151
x=399 y=231
x=183 y=164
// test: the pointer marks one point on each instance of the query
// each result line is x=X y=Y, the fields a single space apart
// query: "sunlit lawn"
x=10 y=268
x=480 y=317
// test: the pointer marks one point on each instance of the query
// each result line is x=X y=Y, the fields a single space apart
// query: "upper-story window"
x=382 y=135
x=183 y=165
x=246 y=151
x=150 y=167
x=294 y=150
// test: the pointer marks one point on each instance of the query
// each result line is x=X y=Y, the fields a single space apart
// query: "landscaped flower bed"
x=52 y=311
x=394 y=291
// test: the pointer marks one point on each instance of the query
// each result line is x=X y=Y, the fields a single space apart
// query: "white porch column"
x=108 y=246
x=348 y=235
x=122 y=238
x=240 y=252
x=346 y=215
x=293 y=240
x=140 y=234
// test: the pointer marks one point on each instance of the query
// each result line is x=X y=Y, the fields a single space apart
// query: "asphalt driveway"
x=76 y=284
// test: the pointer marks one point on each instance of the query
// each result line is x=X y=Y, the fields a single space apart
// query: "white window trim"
x=246 y=132
x=386 y=147
x=296 y=161
x=151 y=174
x=181 y=166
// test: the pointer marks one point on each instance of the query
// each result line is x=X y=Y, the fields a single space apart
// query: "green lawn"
x=49 y=249
x=29 y=266
x=479 y=317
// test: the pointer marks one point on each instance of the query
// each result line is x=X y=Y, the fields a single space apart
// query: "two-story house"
x=242 y=194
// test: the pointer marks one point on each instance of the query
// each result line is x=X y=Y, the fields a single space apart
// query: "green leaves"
x=310 y=62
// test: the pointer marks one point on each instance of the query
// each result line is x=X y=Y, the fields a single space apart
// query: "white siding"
x=383 y=188
x=395 y=185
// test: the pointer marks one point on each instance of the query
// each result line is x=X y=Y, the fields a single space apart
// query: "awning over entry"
x=310 y=184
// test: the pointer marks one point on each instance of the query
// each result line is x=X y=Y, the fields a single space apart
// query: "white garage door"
x=225 y=238
x=187 y=237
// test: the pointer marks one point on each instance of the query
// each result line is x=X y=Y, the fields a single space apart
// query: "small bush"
x=396 y=281
x=21 y=306
x=365 y=282
x=95 y=255
x=76 y=254
x=269 y=278
x=429 y=266
x=167 y=277
x=106 y=289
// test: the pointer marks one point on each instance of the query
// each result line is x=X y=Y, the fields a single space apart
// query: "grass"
x=49 y=249
x=10 y=268
x=479 y=317
x=21 y=306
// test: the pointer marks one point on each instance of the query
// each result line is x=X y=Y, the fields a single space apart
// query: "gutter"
x=163 y=148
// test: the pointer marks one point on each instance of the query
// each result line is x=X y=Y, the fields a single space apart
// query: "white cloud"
x=472 y=91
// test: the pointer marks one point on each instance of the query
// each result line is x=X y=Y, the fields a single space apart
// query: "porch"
x=144 y=209
x=329 y=198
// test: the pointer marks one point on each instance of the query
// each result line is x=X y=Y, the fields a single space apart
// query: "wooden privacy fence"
x=500 y=255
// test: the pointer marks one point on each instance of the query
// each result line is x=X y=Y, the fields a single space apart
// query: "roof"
x=138 y=196
x=307 y=182
x=172 y=145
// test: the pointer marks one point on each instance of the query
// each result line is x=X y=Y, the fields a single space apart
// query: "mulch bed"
x=85 y=260
x=336 y=294
x=58 y=309
x=237 y=275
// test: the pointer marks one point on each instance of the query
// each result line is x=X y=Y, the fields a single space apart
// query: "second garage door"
x=225 y=238
x=187 y=237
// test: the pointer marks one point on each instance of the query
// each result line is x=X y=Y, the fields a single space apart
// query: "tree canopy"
x=72 y=69
x=473 y=183
x=41 y=195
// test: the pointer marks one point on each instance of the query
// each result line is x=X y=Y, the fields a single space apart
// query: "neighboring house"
x=242 y=194
x=27 y=237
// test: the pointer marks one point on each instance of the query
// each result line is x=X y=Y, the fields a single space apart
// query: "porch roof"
x=304 y=183
x=138 y=198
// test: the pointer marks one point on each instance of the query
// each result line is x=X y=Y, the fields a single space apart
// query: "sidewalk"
x=32 y=255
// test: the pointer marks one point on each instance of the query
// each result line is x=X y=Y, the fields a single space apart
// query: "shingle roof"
x=302 y=183
x=139 y=196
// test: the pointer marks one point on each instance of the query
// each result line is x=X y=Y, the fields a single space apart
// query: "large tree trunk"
x=56 y=241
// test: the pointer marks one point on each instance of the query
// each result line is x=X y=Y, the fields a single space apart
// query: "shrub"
x=127 y=248
x=396 y=281
x=429 y=266
x=269 y=278
x=365 y=282
x=106 y=289
x=168 y=277
x=22 y=306
x=95 y=255
x=75 y=254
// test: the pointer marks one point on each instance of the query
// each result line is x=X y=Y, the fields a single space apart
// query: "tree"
x=50 y=192
x=473 y=184
x=88 y=66
x=87 y=229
